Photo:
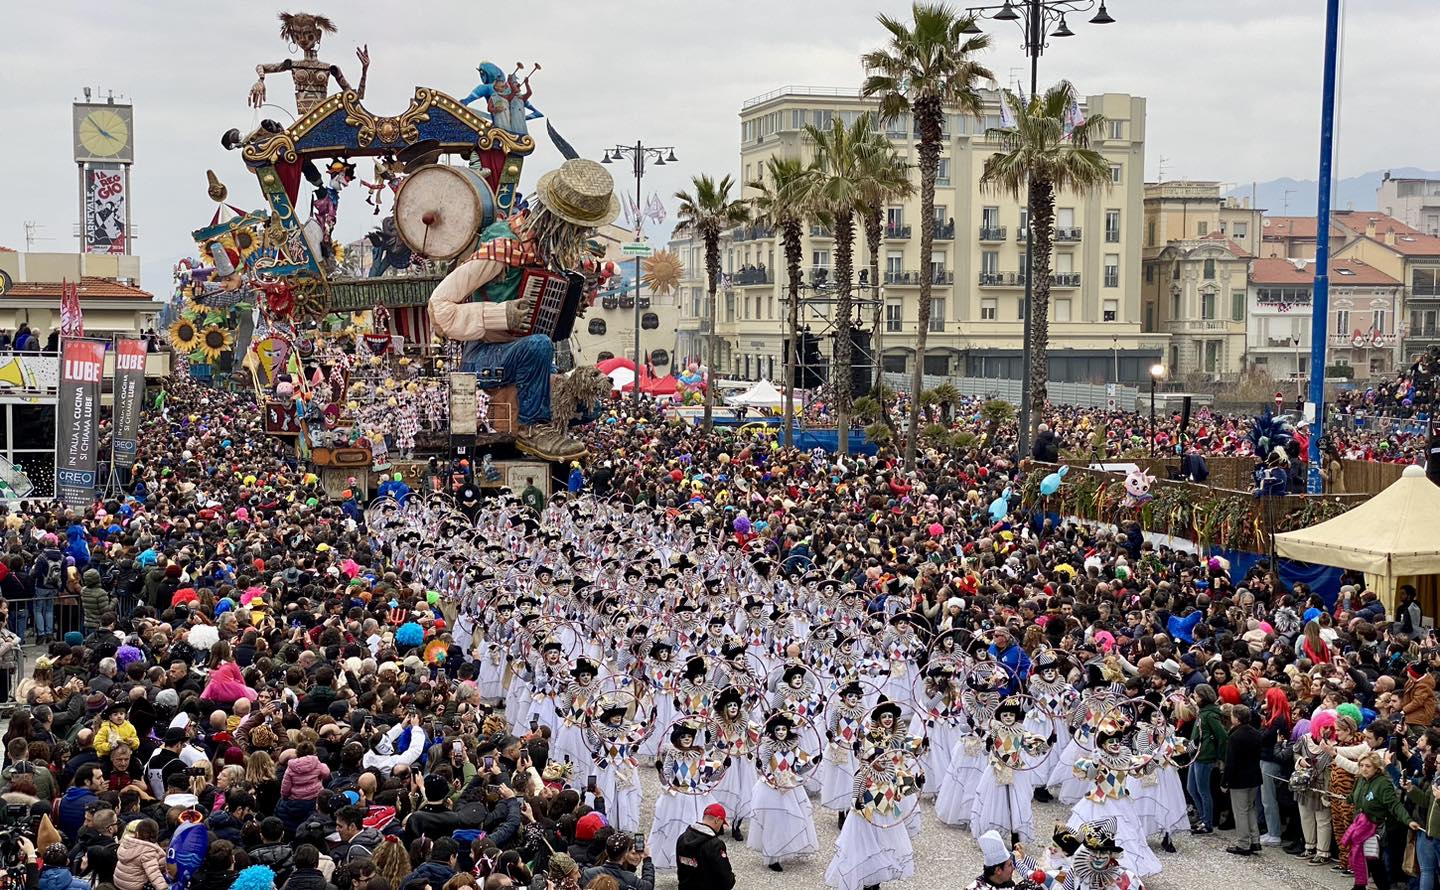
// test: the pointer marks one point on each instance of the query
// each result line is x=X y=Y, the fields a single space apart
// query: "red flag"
x=72 y=319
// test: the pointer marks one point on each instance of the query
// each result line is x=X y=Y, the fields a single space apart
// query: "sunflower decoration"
x=213 y=341
x=185 y=335
x=662 y=272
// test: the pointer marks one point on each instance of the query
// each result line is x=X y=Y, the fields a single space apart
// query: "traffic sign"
x=637 y=249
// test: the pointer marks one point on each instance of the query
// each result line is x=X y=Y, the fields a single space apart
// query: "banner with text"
x=105 y=209
x=462 y=403
x=129 y=395
x=77 y=422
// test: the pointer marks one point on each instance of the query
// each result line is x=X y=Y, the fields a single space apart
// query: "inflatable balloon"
x=1000 y=507
x=1051 y=483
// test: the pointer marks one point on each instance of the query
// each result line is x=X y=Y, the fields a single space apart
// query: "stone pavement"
x=949 y=858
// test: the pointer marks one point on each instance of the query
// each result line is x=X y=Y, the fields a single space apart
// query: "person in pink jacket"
x=304 y=779
x=140 y=860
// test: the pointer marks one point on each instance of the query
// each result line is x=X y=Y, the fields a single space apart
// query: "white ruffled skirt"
x=1067 y=786
x=866 y=854
x=1003 y=808
x=674 y=812
x=956 y=801
x=782 y=824
x=736 y=788
x=837 y=779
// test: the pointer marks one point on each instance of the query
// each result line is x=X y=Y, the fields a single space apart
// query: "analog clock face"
x=103 y=133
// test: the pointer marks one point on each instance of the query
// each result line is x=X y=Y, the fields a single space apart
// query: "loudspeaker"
x=1184 y=414
x=862 y=368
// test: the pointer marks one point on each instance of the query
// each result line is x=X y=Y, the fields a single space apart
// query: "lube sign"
x=77 y=426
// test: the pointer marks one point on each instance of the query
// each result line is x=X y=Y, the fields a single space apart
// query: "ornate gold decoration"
x=312 y=300
x=490 y=136
x=278 y=147
x=387 y=129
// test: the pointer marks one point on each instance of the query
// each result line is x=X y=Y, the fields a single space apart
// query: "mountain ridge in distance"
x=1351 y=192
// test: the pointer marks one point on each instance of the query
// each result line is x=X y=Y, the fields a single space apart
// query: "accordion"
x=556 y=299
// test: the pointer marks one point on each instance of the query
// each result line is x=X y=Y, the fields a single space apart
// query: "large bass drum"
x=440 y=210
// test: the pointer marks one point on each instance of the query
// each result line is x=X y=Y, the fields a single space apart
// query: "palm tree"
x=706 y=214
x=885 y=178
x=1042 y=152
x=780 y=203
x=836 y=190
x=926 y=68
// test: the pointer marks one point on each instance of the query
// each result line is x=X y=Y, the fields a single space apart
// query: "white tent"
x=1391 y=537
x=762 y=395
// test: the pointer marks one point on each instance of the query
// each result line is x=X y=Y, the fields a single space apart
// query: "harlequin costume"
x=782 y=822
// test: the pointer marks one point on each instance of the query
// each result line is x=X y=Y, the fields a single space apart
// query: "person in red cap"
x=700 y=853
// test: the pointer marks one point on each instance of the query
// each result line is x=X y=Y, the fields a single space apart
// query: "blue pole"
x=1320 y=312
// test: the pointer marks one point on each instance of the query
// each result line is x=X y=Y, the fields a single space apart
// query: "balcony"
x=1002 y=279
x=1067 y=235
x=1112 y=236
x=996 y=233
x=752 y=275
x=752 y=233
x=945 y=231
x=914 y=278
x=1112 y=280
x=821 y=232
x=1065 y=279
x=897 y=231
x=1204 y=324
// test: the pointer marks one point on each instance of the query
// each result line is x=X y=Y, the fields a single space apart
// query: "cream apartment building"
x=977 y=264
x=1196 y=256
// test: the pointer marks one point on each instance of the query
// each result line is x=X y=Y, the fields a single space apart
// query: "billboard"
x=129 y=395
x=77 y=421
x=105 y=209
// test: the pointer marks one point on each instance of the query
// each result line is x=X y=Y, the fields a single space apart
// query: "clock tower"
x=104 y=140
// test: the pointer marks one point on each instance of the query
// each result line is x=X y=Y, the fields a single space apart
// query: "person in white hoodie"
x=382 y=755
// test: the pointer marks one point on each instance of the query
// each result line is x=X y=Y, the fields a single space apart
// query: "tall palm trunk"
x=1042 y=219
x=874 y=223
x=840 y=372
x=794 y=253
x=712 y=272
x=928 y=116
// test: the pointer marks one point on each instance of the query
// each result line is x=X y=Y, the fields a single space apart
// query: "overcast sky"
x=1233 y=85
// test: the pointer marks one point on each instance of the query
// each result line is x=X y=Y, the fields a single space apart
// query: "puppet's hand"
x=517 y=316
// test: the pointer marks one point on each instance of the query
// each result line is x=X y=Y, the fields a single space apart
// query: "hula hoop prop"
x=808 y=750
x=890 y=790
x=705 y=775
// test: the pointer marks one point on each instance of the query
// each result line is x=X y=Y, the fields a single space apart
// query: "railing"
x=1209 y=324
x=752 y=275
x=1001 y=279
x=821 y=232
x=916 y=277
x=1065 y=279
x=753 y=233
x=831 y=92
x=996 y=233
x=946 y=231
x=1112 y=280
x=1020 y=232
x=1112 y=236
x=897 y=231
x=1069 y=234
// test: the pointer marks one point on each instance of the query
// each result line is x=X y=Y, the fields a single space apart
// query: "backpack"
x=54 y=575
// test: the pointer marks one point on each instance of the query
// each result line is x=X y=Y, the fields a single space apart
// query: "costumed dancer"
x=874 y=843
x=659 y=672
x=940 y=721
x=843 y=730
x=980 y=697
x=1002 y=798
x=1056 y=702
x=571 y=707
x=1098 y=701
x=1158 y=795
x=782 y=822
x=1105 y=773
x=1094 y=858
x=739 y=737
x=688 y=772
x=614 y=745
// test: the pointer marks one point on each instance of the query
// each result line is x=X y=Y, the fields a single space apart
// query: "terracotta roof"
x=1411 y=245
x=1271 y=270
x=1274 y=228
x=1357 y=221
x=4 y=249
x=1227 y=243
x=90 y=289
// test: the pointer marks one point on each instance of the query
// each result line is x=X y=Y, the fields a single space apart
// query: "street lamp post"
x=1039 y=20
x=1156 y=372
x=638 y=154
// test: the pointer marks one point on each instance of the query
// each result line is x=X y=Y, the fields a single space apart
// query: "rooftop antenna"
x=87 y=94
x=32 y=234
x=1285 y=202
x=1160 y=175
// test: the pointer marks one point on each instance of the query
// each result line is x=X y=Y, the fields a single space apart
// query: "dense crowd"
x=401 y=698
